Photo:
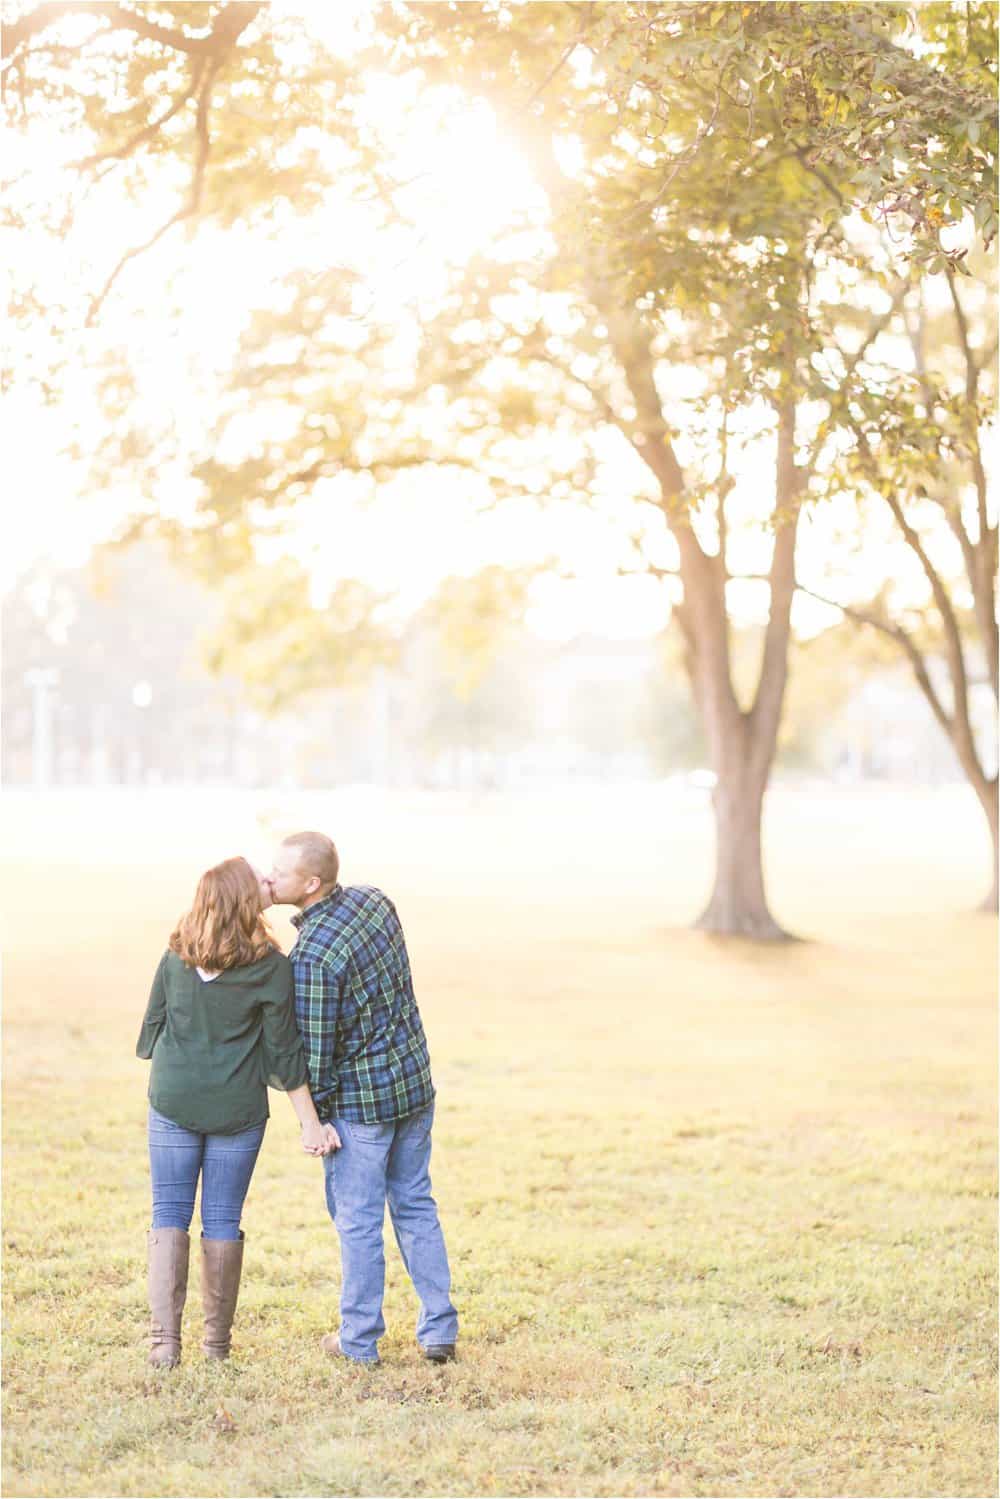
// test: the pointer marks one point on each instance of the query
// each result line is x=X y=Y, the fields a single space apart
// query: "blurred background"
x=105 y=683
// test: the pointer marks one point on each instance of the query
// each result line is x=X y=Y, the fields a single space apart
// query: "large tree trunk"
x=738 y=904
x=986 y=790
x=741 y=743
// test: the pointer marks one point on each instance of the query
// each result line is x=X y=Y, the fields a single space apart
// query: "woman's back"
x=216 y=1043
x=220 y=1029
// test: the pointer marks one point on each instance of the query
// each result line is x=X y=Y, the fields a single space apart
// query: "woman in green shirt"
x=219 y=1027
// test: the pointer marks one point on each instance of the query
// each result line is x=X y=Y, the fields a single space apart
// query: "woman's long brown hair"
x=225 y=927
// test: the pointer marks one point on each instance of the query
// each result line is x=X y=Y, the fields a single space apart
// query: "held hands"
x=319 y=1139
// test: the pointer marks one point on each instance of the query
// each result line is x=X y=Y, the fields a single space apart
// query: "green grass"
x=721 y=1219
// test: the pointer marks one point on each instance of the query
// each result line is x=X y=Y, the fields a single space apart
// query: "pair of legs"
x=225 y=1163
x=379 y=1164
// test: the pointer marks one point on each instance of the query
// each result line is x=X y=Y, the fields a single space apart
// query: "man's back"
x=369 y=1074
x=356 y=1010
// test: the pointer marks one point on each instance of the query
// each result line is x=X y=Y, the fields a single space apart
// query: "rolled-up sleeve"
x=155 y=1016
x=317 y=1009
x=284 y=1057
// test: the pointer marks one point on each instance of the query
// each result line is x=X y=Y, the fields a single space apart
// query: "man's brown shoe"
x=330 y=1344
x=438 y=1353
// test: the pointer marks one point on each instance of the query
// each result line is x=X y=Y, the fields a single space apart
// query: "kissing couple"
x=335 y=1025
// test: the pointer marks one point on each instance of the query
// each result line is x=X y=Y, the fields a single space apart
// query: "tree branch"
x=17 y=33
x=61 y=51
x=232 y=20
x=961 y=732
x=191 y=204
x=148 y=244
x=766 y=709
x=724 y=485
x=381 y=467
x=953 y=639
x=981 y=558
x=901 y=637
x=951 y=511
x=971 y=394
x=570 y=48
x=802 y=156
x=600 y=400
x=119 y=153
x=687 y=155
x=851 y=361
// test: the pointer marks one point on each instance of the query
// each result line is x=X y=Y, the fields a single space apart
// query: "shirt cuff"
x=285 y=1070
x=325 y=1100
x=147 y=1038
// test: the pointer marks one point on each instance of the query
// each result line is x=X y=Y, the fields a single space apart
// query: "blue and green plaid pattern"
x=364 y=1040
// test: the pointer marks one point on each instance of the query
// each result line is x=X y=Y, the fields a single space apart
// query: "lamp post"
x=42 y=682
x=142 y=697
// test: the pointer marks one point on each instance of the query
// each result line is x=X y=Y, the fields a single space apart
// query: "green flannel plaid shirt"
x=360 y=1026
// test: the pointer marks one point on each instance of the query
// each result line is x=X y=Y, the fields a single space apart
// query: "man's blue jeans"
x=177 y=1156
x=376 y=1164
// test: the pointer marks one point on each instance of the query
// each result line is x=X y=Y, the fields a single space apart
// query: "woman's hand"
x=319 y=1139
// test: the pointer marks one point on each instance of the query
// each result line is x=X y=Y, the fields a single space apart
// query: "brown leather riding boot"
x=169 y=1251
x=221 y=1264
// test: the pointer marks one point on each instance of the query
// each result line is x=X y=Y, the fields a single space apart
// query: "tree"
x=283 y=643
x=700 y=163
x=707 y=125
x=915 y=453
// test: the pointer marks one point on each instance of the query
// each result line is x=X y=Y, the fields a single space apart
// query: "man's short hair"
x=317 y=855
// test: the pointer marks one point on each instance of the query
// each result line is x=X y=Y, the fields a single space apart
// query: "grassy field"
x=721 y=1219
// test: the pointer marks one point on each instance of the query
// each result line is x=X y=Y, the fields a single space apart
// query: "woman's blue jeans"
x=177 y=1156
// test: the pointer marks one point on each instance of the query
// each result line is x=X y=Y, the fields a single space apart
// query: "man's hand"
x=319 y=1139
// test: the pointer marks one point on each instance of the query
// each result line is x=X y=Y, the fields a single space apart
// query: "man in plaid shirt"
x=370 y=1078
